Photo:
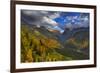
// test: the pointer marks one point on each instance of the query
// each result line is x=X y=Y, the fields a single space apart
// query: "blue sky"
x=73 y=18
x=64 y=15
x=55 y=20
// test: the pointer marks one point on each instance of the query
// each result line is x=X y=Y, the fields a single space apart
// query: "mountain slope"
x=77 y=45
x=37 y=47
x=38 y=44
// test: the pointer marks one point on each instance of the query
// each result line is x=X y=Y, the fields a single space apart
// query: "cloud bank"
x=55 y=20
x=41 y=18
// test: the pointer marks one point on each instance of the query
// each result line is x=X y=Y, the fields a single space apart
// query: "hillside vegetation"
x=35 y=47
x=40 y=46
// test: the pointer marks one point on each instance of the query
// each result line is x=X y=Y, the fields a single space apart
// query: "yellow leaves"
x=29 y=57
x=84 y=44
x=72 y=39
x=42 y=49
x=53 y=43
x=37 y=33
x=54 y=56
x=36 y=46
x=50 y=43
x=35 y=41
x=80 y=44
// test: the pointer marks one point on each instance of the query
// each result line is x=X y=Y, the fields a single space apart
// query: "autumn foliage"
x=35 y=47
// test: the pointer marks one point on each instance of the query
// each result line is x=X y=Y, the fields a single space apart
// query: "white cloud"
x=69 y=25
x=81 y=22
x=49 y=21
x=32 y=13
x=73 y=20
x=45 y=18
x=75 y=17
x=54 y=15
x=86 y=18
x=44 y=12
x=42 y=17
x=58 y=28
x=27 y=12
x=71 y=17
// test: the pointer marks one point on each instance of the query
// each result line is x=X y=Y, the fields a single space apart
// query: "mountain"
x=71 y=33
x=71 y=45
x=76 y=43
x=37 y=46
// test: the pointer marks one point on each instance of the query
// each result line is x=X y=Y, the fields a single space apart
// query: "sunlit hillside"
x=36 y=47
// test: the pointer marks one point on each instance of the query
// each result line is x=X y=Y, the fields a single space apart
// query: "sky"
x=55 y=20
